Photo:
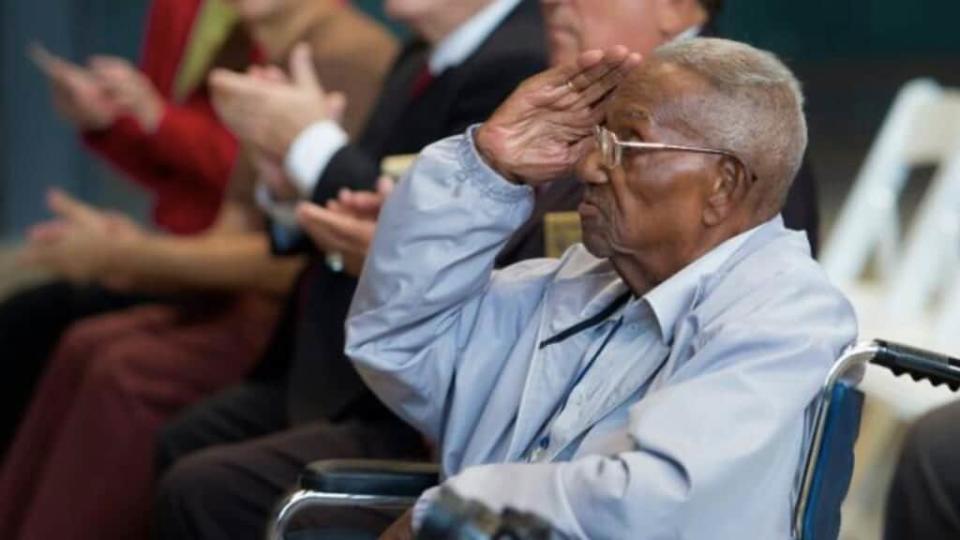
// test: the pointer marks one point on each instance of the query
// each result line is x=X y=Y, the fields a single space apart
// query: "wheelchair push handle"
x=919 y=364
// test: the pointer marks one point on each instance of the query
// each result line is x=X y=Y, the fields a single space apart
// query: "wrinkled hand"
x=546 y=126
x=78 y=244
x=78 y=95
x=402 y=528
x=269 y=113
x=347 y=224
x=130 y=89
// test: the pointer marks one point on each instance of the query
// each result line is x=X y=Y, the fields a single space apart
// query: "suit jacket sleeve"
x=484 y=87
x=800 y=211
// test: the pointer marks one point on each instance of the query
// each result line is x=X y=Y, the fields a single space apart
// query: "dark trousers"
x=231 y=459
x=31 y=323
x=924 y=500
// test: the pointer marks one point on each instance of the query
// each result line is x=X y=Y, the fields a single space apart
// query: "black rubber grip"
x=370 y=477
x=918 y=364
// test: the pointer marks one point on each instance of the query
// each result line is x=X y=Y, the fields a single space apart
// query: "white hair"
x=760 y=118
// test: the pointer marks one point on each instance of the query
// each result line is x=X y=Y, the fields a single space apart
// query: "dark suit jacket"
x=322 y=382
x=460 y=96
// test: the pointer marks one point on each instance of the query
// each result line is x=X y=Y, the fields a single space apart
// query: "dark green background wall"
x=852 y=54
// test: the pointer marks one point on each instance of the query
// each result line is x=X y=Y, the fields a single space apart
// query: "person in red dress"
x=81 y=464
x=153 y=123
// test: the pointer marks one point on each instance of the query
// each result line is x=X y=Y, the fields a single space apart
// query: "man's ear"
x=727 y=189
x=676 y=16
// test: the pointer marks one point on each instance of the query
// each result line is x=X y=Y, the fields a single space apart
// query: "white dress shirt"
x=313 y=149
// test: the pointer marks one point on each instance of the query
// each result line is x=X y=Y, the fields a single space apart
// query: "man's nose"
x=591 y=170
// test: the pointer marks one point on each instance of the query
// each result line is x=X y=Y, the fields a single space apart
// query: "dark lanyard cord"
x=588 y=323
x=575 y=329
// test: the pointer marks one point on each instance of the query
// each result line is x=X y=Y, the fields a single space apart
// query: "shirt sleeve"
x=715 y=451
x=422 y=283
x=190 y=140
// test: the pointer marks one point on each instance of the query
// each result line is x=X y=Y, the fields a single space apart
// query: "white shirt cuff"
x=310 y=153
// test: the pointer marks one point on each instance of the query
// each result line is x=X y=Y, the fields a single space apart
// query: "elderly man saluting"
x=654 y=382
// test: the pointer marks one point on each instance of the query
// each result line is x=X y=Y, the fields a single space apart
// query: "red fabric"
x=422 y=82
x=186 y=163
x=81 y=466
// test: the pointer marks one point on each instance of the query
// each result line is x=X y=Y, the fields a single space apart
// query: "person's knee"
x=167 y=447
x=116 y=369
x=81 y=340
x=193 y=482
x=929 y=437
x=929 y=450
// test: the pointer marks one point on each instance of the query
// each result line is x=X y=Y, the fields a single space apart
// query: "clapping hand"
x=129 y=89
x=78 y=243
x=268 y=111
x=78 y=95
x=346 y=225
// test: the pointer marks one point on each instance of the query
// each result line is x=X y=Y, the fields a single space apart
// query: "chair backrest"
x=922 y=127
x=833 y=464
x=828 y=466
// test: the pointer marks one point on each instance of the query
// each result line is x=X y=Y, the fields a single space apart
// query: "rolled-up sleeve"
x=430 y=265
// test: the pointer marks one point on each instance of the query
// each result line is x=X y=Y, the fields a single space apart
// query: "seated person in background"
x=655 y=382
x=153 y=123
x=115 y=379
x=924 y=498
x=233 y=456
x=572 y=27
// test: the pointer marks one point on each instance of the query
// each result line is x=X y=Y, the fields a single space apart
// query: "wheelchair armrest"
x=919 y=364
x=370 y=477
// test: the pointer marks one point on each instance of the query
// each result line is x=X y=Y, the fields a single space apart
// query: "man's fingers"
x=327 y=228
x=112 y=70
x=47 y=232
x=603 y=85
x=591 y=72
x=108 y=62
x=234 y=94
x=336 y=106
x=559 y=76
x=71 y=209
x=48 y=62
x=385 y=185
x=365 y=204
x=274 y=74
x=224 y=80
x=301 y=68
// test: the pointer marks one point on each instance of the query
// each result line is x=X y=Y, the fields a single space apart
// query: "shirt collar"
x=672 y=298
x=691 y=32
x=454 y=49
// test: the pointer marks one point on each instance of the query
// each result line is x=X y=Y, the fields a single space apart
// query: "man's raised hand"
x=546 y=126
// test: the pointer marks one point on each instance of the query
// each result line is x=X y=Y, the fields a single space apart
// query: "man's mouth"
x=587 y=209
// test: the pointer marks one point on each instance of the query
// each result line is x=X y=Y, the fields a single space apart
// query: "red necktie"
x=421 y=82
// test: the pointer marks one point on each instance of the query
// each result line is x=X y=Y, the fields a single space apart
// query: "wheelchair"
x=825 y=476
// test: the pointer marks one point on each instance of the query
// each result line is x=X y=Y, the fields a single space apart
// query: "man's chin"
x=596 y=246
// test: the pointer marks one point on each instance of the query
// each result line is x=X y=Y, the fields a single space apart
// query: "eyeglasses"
x=611 y=149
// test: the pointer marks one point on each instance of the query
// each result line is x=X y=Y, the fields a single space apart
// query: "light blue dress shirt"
x=689 y=423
